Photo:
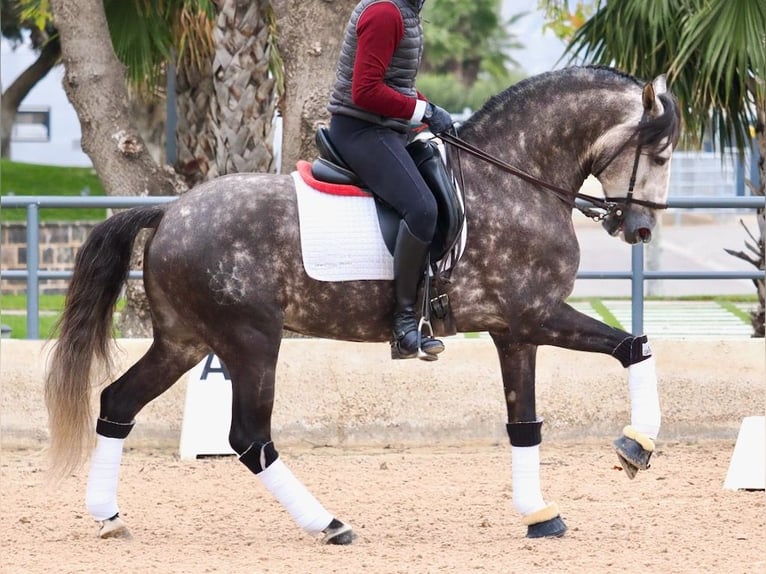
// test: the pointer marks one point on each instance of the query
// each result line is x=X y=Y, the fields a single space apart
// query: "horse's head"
x=635 y=168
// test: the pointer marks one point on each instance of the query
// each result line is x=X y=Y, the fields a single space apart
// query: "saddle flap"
x=428 y=159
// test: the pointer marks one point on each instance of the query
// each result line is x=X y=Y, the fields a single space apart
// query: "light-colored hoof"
x=113 y=528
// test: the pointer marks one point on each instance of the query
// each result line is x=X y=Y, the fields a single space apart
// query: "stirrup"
x=428 y=347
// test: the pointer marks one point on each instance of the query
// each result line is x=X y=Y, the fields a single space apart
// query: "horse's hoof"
x=553 y=528
x=338 y=533
x=545 y=523
x=634 y=449
x=113 y=528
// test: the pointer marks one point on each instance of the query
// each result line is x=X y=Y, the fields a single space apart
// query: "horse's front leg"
x=565 y=327
x=517 y=365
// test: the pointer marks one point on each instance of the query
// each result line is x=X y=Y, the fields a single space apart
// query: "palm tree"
x=225 y=96
x=245 y=91
x=715 y=54
x=149 y=35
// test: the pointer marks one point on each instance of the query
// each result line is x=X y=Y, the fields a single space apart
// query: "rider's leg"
x=410 y=256
x=379 y=157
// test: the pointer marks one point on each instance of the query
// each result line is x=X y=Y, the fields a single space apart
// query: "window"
x=32 y=124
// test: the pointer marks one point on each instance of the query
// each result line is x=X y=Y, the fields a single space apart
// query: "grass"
x=605 y=314
x=732 y=308
x=18 y=325
x=13 y=314
x=24 y=179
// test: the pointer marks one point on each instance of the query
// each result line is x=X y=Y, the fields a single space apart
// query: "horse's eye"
x=659 y=160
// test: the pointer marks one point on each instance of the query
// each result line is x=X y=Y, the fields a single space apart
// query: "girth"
x=330 y=167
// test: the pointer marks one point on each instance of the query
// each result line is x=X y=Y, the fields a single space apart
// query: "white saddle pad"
x=340 y=236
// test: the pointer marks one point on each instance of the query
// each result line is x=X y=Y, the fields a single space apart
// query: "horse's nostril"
x=645 y=234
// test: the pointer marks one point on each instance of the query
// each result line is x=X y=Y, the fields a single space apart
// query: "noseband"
x=612 y=207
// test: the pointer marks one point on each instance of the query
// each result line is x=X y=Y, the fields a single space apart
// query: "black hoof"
x=633 y=457
x=553 y=528
x=338 y=533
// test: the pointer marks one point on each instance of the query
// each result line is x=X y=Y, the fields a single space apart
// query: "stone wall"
x=58 y=246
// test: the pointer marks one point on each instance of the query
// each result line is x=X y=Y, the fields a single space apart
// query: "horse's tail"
x=86 y=333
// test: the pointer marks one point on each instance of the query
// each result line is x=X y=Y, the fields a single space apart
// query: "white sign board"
x=747 y=469
x=207 y=412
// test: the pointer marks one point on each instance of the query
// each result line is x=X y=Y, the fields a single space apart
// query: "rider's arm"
x=379 y=30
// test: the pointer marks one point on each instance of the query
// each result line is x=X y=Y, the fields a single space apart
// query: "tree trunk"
x=21 y=86
x=759 y=315
x=310 y=35
x=245 y=95
x=94 y=82
x=148 y=113
x=195 y=138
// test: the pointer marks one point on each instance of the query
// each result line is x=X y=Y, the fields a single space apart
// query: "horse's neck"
x=550 y=151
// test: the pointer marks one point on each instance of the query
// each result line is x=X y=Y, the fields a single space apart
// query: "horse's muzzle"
x=635 y=224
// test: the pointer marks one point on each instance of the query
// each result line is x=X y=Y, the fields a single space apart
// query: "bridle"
x=600 y=209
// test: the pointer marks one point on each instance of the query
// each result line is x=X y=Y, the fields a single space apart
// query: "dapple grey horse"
x=223 y=273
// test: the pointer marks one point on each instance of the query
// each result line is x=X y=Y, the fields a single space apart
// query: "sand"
x=415 y=510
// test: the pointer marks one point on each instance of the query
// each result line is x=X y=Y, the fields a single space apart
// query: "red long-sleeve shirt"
x=379 y=30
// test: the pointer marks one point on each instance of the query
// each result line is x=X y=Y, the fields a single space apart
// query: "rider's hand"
x=437 y=119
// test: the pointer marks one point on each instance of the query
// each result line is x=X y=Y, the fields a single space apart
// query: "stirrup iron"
x=422 y=355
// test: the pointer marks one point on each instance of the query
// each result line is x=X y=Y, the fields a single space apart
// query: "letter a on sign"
x=207 y=412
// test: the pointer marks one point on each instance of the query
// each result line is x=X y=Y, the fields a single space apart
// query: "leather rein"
x=601 y=207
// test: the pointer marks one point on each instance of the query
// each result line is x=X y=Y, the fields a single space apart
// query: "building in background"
x=51 y=133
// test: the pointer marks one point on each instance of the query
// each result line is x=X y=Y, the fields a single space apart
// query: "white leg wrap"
x=525 y=471
x=644 y=398
x=306 y=510
x=101 y=493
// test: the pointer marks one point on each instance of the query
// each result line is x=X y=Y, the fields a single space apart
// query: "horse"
x=223 y=273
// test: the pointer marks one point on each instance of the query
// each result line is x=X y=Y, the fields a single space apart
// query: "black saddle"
x=331 y=167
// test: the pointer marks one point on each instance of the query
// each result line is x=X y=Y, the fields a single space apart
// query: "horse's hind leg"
x=152 y=375
x=517 y=365
x=251 y=362
x=568 y=328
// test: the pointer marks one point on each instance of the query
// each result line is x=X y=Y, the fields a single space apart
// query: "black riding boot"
x=410 y=255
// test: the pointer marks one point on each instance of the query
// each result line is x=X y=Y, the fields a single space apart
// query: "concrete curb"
x=337 y=393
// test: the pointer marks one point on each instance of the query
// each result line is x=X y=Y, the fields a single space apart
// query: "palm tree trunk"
x=245 y=95
x=195 y=138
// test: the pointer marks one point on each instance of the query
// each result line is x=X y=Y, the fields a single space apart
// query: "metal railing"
x=637 y=274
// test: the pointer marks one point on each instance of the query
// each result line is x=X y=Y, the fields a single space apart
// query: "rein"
x=601 y=209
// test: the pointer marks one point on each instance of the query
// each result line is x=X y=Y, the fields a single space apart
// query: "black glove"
x=437 y=119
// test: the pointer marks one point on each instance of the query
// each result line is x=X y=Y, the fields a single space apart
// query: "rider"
x=372 y=104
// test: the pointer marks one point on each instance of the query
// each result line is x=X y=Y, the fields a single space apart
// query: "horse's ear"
x=649 y=97
x=660 y=84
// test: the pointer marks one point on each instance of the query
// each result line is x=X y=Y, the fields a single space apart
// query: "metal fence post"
x=637 y=288
x=33 y=268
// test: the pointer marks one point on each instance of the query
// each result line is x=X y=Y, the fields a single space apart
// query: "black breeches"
x=379 y=157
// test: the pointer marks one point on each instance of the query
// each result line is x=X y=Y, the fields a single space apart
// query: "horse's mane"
x=650 y=133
